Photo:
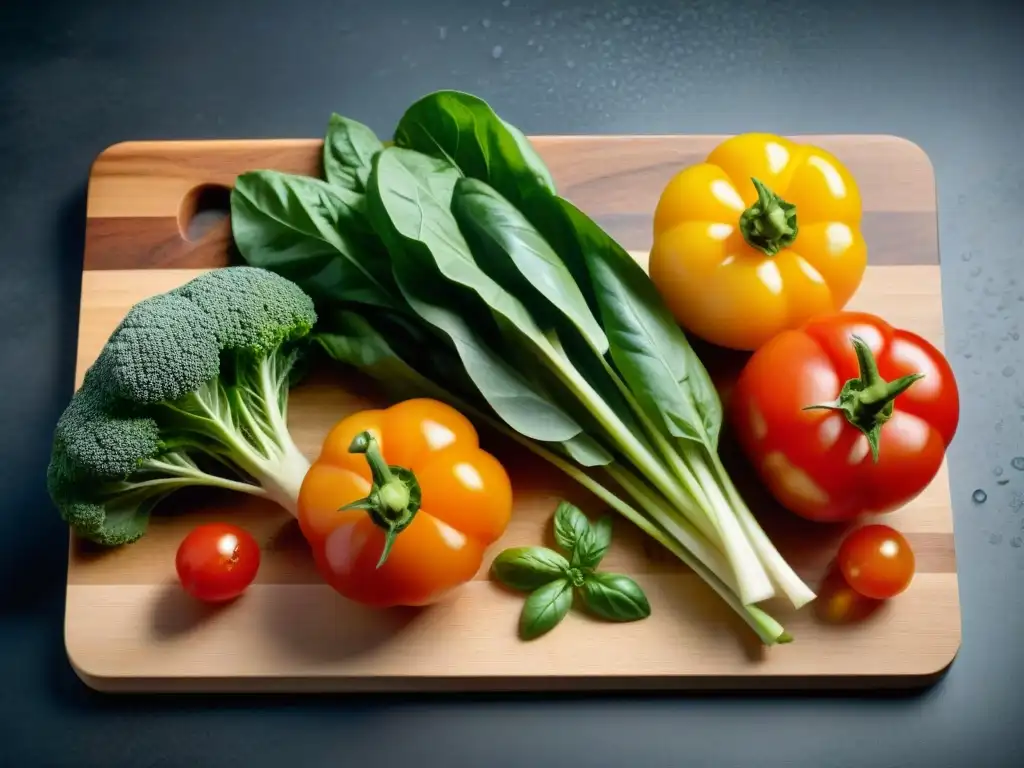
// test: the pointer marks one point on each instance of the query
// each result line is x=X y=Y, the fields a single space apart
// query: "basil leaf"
x=594 y=544
x=409 y=197
x=614 y=597
x=545 y=608
x=464 y=130
x=570 y=525
x=509 y=249
x=316 y=235
x=349 y=147
x=528 y=568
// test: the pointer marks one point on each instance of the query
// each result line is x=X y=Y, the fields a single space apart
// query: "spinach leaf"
x=465 y=130
x=349 y=147
x=409 y=196
x=614 y=597
x=570 y=525
x=545 y=608
x=509 y=249
x=648 y=348
x=528 y=568
x=314 y=234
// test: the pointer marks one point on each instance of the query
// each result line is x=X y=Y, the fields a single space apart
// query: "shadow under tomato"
x=176 y=613
x=837 y=604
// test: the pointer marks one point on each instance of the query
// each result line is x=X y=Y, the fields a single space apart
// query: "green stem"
x=770 y=223
x=867 y=401
x=798 y=593
x=394 y=497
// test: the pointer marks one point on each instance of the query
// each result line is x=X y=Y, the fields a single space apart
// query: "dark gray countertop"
x=78 y=76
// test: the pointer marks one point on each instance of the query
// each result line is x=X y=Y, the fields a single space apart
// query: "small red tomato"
x=876 y=561
x=217 y=562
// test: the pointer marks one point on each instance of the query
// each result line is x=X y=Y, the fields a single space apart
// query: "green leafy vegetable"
x=614 y=597
x=528 y=568
x=545 y=608
x=553 y=580
x=316 y=235
x=349 y=148
x=594 y=544
x=448 y=266
x=498 y=153
x=570 y=526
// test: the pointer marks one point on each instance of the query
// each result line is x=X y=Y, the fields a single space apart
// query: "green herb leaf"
x=594 y=544
x=570 y=525
x=528 y=568
x=545 y=608
x=464 y=130
x=349 y=147
x=614 y=597
x=316 y=235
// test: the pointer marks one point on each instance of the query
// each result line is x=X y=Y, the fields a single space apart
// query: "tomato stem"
x=867 y=401
x=393 y=499
x=770 y=223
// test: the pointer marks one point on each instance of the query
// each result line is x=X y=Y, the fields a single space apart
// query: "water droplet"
x=1008 y=371
x=1014 y=335
x=496 y=51
x=442 y=32
x=1004 y=481
x=995 y=538
x=961 y=199
x=1017 y=462
x=540 y=48
x=1016 y=542
x=486 y=23
x=530 y=42
x=966 y=256
x=975 y=271
x=979 y=496
x=570 y=64
x=614 y=82
x=627 y=21
x=998 y=471
x=506 y=3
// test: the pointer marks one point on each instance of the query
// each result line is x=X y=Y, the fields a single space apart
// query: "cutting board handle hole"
x=204 y=209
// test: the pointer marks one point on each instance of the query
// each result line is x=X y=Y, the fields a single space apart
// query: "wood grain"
x=128 y=627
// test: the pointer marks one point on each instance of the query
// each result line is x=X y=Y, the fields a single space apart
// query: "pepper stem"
x=770 y=223
x=867 y=401
x=394 y=497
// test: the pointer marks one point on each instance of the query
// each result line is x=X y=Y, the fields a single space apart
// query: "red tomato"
x=861 y=372
x=217 y=562
x=876 y=561
x=402 y=503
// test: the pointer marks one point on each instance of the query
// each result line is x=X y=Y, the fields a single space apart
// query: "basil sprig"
x=554 y=579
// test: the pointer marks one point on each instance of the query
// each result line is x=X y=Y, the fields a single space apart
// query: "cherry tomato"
x=217 y=562
x=402 y=504
x=876 y=561
x=845 y=416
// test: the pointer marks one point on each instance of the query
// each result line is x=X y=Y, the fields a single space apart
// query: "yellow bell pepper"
x=758 y=238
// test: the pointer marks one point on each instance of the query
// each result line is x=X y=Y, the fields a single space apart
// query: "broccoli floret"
x=191 y=388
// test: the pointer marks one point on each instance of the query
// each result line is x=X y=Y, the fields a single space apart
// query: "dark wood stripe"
x=156 y=242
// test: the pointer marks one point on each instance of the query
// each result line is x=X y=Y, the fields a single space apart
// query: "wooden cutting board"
x=129 y=627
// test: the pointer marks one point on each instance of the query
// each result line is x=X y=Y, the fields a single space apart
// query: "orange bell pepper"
x=402 y=504
x=757 y=239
